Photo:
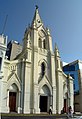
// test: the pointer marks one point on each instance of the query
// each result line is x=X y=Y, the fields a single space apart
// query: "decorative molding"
x=14 y=74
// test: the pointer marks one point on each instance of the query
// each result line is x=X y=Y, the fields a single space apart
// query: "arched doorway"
x=13 y=98
x=45 y=99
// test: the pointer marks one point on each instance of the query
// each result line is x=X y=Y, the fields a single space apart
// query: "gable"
x=13 y=79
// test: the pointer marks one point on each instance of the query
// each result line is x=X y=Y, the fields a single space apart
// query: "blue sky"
x=63 y=17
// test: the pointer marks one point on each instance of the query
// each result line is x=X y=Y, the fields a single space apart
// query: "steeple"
x=36 y=19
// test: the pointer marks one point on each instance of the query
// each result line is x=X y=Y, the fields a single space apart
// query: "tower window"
x=42 y=69
x=0 y=62
x=40 y=43
x=44 y=44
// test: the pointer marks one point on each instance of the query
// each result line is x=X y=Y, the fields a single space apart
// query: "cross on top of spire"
x=36 y=6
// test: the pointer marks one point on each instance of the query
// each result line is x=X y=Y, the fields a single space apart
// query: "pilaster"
x=53 y=77
x=22 y=85
x=54 y=100
x=59 y=92
x=27 y=88
x=19 y=103
x=36 y=99
x=49 y=40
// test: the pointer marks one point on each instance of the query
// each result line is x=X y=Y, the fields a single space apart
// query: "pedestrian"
x=70 y=112
x=50 y=110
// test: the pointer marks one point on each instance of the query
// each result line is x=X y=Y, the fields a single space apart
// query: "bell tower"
x=37 y=49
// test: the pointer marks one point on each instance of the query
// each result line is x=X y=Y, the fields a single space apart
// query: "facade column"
x=8 y=100
x=59 y=93
x=22 y=85
x=36 y=99
x=27 y=88
x=54 y=100
x=53 y=77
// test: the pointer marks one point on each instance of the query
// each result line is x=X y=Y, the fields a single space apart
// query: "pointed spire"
x=58 y=59
x=36 y=19
x=56 y=50
x=48 y=30
x=56 y=47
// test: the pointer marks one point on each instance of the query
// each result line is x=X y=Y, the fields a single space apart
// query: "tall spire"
x=58 y=59
x=37 y=19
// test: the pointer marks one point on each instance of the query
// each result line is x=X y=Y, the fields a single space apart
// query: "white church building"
x=34 y=80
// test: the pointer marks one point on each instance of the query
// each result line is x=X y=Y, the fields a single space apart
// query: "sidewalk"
x=32 y=116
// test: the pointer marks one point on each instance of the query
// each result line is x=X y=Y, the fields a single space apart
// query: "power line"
x=4 y=24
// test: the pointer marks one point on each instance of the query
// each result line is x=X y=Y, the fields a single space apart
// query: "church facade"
x=34 y=80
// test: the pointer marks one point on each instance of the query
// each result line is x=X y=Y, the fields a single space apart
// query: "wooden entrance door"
x=12 y=101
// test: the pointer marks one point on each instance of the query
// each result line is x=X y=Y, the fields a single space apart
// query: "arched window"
x=0 y=62
x=44 y=44
x=42 y=69
x=40 y=43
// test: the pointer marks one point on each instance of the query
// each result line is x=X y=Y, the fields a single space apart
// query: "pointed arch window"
x=44 y=44
x=0 y=62
x=40 y=43
x=42 y=69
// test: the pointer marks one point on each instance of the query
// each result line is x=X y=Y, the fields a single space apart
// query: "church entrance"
x=12 y=101
x=43 y=103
